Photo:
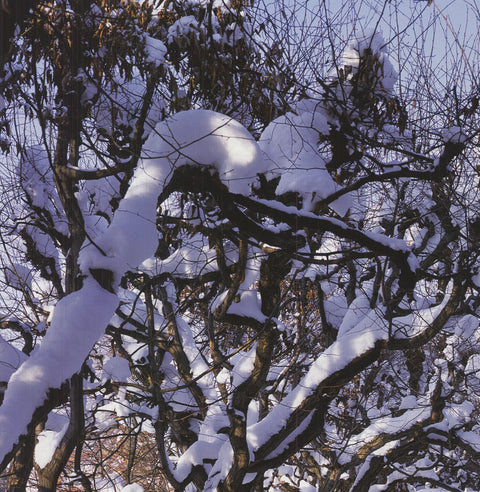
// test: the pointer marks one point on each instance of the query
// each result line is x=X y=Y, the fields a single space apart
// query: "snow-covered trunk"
x=272 y=272
x=48 y=475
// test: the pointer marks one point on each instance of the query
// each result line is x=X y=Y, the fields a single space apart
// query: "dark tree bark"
x=22 y=465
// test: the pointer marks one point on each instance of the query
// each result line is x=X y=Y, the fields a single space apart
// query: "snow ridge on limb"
x=78 y=321
x=395 y=249
x=273 y=436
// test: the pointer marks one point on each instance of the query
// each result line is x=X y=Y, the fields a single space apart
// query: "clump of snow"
x=192 y=259
x=408 y=402
x=417 y=322
x=18 y=276
x=383 y=425
x=290 y=143
x=116 y=369
x=357 y=340
x=248 y=305
x=378 y=452
x=90 y=89
x=124 y=101
x=243 y=363
x=37 y=182
x=156 y=50
x=221 y=467
x=195 y=455
x=182 y=27
x=467 y=326
x=209 y=445
x=358 y=310
x=35 y=174
x=199 y=368
x=473 y=364
x=48 y=441
x=49 y=438
x=10 y=359
x=454 y=134
x=458 y=414
x=371 y=42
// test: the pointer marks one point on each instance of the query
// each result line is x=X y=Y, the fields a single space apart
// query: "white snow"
x=373 y=41
x=116 y=369
x=290 y=142
x=301 y=427
x=197 y=138
x=306 y=487
x=49 y=439
x=417 y=322
x=200 y=369
x=357 y=311
x=378 y=452
x=471 y=438
x=182 y=27
x=192 y=259
x=221 y=467
x=456 y=415
x=210 y=442
x=248 y=305
x=387 y=425
x=10 y=359
x=133 y=487
x=19 y=277
x=196 y=454
x=90 y=89
x=454 y=134
x=467 y=326
x=473 y=365
x=121 y=105
x=408 y=402
x=243 y=363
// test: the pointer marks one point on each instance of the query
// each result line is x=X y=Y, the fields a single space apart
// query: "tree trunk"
x=48 y=476
x=22 y=465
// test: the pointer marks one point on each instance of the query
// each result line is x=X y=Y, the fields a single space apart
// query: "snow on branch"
x=273 y=435
x=222 y=147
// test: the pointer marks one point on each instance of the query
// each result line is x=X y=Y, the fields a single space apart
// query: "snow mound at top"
x=197 y=138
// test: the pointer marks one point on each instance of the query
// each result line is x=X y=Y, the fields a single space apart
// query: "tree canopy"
x=239 y=246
